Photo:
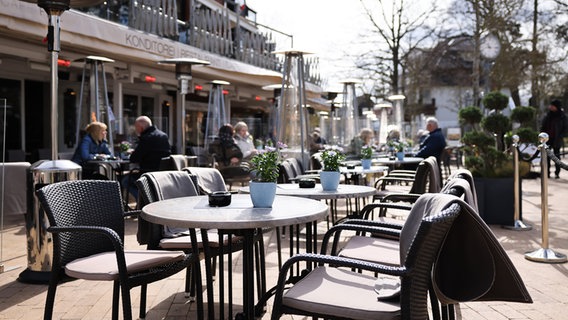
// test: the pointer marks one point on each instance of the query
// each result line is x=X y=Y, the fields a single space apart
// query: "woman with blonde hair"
x=92 y=145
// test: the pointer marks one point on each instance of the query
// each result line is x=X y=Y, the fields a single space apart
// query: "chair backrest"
x=427 y=177
x=462 y=188
x=208 y=179
x=174 y=162
x=94 y=203
x=296 y=166
x=466 y=175
x=287 y=171
x=161 y=185
x=421 y=238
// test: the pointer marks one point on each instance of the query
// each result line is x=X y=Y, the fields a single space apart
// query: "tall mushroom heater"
x=293 y=115
x=47 y=171
x=183 y=74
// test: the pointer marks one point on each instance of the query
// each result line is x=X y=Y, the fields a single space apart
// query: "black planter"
x=496 y=200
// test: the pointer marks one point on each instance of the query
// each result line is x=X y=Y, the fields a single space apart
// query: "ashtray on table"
x=220 y=198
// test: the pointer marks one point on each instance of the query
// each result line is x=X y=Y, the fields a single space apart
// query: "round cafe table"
x=240 y=217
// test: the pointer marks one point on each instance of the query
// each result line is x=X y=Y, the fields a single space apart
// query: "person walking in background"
x=92 y=146
x=434 y=143
x=244 y=140
x=152 y=146
x=555 y=124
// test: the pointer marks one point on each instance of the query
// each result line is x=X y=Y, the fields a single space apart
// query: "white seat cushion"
x=379 y=250
x=342 y=293
x=103 y=266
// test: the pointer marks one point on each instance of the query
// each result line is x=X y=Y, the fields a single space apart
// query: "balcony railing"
x=221 y=31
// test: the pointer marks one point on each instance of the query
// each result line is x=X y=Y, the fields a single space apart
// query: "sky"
x=331 y=29
x=328 y=28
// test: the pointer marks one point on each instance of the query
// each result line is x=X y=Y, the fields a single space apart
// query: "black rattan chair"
x=334 y=291
x=87 y=221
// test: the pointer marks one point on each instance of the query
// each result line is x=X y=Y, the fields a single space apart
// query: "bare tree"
x=397 y=28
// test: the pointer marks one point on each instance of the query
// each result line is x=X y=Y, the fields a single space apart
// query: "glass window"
x=10 y=103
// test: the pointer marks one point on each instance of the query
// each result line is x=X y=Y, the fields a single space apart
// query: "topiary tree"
x=495 y=100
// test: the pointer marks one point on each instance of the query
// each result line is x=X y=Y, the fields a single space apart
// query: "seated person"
x=434 y=143
x=243 y=140
x=363 y=139
x=93 y=145
x=227 y=153
x=152 y=146
x=317 y=142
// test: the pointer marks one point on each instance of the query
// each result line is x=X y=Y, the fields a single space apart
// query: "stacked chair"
x=87 y=221
x=444 y=249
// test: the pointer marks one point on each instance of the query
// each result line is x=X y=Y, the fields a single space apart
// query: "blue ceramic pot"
x=329 y=180
x=262 y=194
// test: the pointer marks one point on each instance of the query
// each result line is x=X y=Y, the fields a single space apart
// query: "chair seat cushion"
x=366 y=248
x=103 y=266
x=341 y=293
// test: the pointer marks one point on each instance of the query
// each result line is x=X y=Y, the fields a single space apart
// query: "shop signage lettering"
x=150 y=45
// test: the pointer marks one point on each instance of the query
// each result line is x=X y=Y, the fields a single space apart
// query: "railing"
x=223 y=31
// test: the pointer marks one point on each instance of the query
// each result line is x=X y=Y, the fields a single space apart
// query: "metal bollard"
x=518 y=225
x=544 y=254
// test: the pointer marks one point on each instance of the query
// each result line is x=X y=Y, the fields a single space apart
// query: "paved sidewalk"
x=546 y=283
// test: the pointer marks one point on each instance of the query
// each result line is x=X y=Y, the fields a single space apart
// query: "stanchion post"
x=544 y=254
x=518 y=225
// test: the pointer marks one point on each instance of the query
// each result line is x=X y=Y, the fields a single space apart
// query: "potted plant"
x=330 y=175
x=488 y=156
x=264 y=167
x=366 y=155
x=398 y=148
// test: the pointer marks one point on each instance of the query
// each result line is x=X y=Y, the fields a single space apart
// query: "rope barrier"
x=554 y=158
x=545 y=254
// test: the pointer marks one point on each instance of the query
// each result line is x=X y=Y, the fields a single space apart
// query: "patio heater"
x=217 y=114
x=293 y=116
x=273 y=115
x=44 y=172
x=383 y=108
x=398 y=112
x=184 y=77
x=333 y=110
x=349 y=112
x=103 y=111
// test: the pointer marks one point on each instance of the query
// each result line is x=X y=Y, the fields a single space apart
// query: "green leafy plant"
x=366 y=152
x=486 y=146
x=397 y=146
x=125 y=146
x=331 y=159
x=264 y=165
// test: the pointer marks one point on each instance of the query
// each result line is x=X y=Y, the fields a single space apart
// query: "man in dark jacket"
x=153 y=145
x=434 y=143
x=555 y=124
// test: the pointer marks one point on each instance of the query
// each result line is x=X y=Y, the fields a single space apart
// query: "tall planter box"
x=496 y=200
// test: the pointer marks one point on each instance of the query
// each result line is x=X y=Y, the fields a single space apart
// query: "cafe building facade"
x=135 y=35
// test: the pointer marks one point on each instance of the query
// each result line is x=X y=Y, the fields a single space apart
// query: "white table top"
x=195 y=212
x=317 y=193
x=388 y=161
x=360 y=170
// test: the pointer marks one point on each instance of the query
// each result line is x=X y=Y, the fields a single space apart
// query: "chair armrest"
x=108 y=232
x=384 y=206
x=401 y=197
x=331 y=260
x=360 y=229
x=383 y=181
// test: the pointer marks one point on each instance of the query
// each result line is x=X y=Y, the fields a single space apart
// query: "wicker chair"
x=161 y=185
x=334 y=291
x=88 y=237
